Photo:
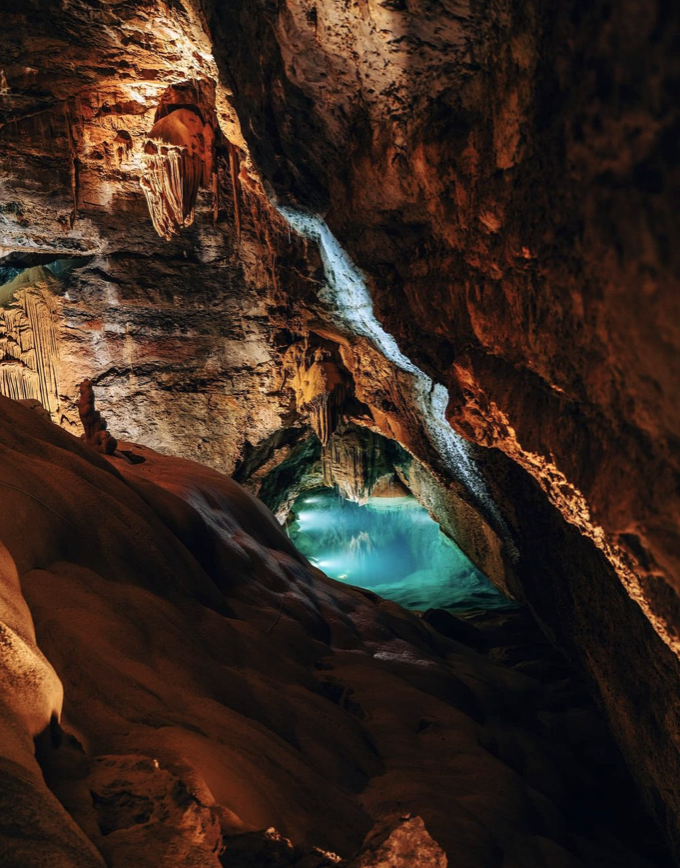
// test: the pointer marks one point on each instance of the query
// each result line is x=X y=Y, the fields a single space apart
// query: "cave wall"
x=180 y=335
x=502 y=176
x=191 y=340
x=499 y=174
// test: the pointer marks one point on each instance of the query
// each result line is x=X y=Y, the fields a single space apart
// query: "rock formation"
x=96 y=434
x=401 y=842
x=214 y=686
x=177 y=161
x=275 y=232
x=29 y=344
x=356 y=460
x=321 y=386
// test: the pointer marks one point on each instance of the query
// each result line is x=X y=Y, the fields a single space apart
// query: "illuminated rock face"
x=398 y=842
x=29 y=338
x=179 y=335
x=177 y=161
x=355 y=460
x=321 y=385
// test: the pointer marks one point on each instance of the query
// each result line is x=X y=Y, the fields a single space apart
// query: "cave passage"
x=391 y=546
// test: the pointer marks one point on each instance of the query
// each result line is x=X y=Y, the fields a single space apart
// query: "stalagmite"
x=177 y=161
x=95 y=434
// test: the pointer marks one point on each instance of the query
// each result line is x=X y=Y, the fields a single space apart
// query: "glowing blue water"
x=392 y=547
x=347 y=294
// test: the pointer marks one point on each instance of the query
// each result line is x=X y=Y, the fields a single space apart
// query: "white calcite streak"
x=347 y=293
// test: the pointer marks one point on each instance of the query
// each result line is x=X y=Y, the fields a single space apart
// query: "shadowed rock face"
x=499 y=175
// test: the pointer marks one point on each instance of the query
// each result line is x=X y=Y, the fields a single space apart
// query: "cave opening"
x=391 y=546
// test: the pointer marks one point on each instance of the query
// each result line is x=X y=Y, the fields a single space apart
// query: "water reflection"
x=391 y=546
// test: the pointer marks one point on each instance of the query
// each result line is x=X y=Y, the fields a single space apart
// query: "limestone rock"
x=96 y=434
x=356 y=460
x=502 y=178
x=177 y=157
x=400 y=842
x=29 y=338
x=321 y=385
x=149 y=818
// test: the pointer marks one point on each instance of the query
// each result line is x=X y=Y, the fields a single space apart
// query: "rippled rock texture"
x=176 y=676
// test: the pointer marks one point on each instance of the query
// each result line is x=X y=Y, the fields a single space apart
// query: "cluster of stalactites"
x=177 y=162
x=29 y=347
x=321 y=389
x=354 y=460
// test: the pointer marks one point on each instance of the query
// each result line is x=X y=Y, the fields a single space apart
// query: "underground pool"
x=392 y=547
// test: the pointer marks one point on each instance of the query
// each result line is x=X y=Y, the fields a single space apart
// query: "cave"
x=340 y=482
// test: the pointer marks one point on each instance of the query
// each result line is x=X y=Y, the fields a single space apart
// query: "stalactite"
x=346 y=463
x=29 y=347
x=320 y=417
x=170 y=184
x=321 y=388
x=234 y=166
x=358 y=462
x=177 y=162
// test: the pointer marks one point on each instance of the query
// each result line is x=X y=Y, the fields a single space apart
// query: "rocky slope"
x=193 y=680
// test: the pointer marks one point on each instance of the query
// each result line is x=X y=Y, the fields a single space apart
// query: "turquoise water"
x=392 y=547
